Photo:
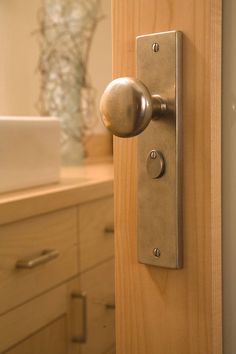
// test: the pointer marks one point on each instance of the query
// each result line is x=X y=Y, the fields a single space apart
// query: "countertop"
x=78 y=185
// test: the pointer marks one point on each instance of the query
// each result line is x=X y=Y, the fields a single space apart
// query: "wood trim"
x=158 y=310
x=216 y=176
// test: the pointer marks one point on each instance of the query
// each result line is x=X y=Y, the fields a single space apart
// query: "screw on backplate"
x=156 y=252
x=155 y=47
x=153 y=154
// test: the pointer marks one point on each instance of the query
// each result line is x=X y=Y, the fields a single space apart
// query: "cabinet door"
x=50 y=340
x=93 y=311
x=96 y=233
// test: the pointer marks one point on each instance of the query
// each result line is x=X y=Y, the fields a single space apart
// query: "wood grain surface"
x=19 y=324
x=79 y=184
x=163 y=311
x=27 y=239
x=51 y=339
x=95 y=245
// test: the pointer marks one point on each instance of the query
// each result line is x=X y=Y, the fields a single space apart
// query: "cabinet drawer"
x=96 y=232
x=52 y=339
x=19 y=324
x=27 y=240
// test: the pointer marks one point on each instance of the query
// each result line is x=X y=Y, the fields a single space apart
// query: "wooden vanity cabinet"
x=65 y=306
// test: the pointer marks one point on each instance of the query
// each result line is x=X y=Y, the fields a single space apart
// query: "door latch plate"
x=159 y=67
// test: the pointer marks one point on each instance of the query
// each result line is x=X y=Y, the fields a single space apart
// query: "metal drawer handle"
x=83 y=337
x=110 y=306
x=45 y=257
x=109 y=229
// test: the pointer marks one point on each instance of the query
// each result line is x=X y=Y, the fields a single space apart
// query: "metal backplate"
x=159 y=200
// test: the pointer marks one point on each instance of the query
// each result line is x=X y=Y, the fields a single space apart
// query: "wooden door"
x=162 y=311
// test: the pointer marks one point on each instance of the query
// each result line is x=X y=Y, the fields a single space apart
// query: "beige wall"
x=100 y=61
x=229 y=176
x=19 y=83
x=19 y=48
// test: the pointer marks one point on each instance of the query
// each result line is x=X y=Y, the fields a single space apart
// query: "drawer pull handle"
x=110 y=306
x=45 y=257
x=109 y=229
x=83 y=337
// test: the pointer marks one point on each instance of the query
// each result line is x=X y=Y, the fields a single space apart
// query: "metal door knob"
x=127 y=107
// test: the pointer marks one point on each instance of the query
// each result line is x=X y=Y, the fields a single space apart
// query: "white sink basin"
x=29 y=152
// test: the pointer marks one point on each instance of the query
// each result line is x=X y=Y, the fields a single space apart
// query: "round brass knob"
x=127 y=107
